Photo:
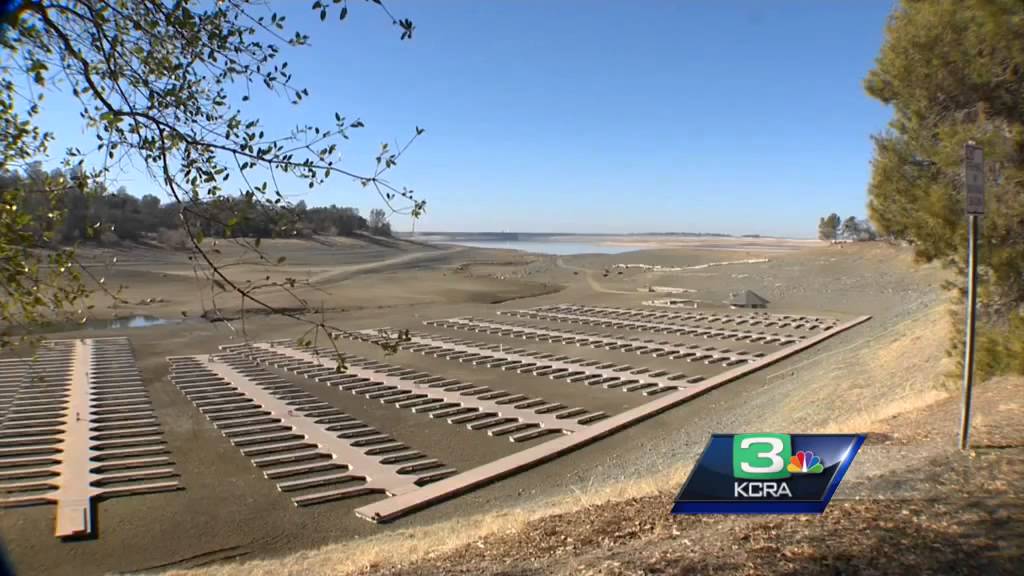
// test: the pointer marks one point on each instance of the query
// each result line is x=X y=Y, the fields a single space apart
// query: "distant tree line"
x=93 y=213
x=832 y=227
x=86 y=213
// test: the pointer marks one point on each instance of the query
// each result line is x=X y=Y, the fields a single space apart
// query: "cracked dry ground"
x=922 y=508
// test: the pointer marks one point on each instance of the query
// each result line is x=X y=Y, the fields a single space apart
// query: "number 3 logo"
x=776 y=462
x=760 y=456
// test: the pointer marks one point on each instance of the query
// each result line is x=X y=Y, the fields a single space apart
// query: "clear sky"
x=742 y=116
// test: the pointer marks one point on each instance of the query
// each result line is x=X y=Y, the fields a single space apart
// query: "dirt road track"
x=589 y=275
x=344 y=272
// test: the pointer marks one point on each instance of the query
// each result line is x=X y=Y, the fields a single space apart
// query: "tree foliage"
x=88 y=212
x=833 y=227
x=34 y=283
x=953 y=71
x=334 y=220
x=95 y=214
x=378 y=222
x=162 y=85
x=828 y=227
x=857 y=230
x=849 y=228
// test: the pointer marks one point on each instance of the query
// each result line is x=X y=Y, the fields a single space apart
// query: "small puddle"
x=135 y=321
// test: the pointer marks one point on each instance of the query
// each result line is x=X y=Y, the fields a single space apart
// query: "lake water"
x=556 y=248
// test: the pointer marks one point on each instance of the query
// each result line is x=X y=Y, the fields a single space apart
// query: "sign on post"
x=974 y=178
x=974 y=186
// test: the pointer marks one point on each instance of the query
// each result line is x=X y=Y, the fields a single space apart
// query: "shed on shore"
x=747 y=299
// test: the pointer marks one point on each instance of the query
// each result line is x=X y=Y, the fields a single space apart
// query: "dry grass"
x=868 y=418
x=898 y=371
x=906 y=372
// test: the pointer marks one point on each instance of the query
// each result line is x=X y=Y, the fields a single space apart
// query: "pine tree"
x=953 y=71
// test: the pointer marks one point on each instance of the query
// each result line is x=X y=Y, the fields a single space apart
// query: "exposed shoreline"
x=228 y=510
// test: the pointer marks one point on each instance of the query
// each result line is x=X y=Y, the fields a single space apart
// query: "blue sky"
x=738 y=116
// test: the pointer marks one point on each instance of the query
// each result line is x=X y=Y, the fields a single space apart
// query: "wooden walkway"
x=398 y=506
x=80 y=426
x=636 y=345
x=752 y=318
x=652 y=324
x=308 y=446
x=477 y=407
x=609 y=375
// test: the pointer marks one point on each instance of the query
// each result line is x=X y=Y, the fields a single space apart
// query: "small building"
x=746 y=299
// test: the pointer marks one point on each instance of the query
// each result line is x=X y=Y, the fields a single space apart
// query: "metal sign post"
x=974 y=186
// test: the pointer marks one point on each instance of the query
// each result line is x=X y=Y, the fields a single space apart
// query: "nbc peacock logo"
x=804 y=462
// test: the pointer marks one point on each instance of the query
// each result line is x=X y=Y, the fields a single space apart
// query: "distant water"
x=556 y=248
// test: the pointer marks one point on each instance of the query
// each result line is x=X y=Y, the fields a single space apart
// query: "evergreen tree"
x=828 y=227
x=953 y=71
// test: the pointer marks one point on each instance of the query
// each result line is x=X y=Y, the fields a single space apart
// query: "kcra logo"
x=767 y=474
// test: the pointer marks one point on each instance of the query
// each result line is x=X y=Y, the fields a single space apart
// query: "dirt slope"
x=948 y=513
